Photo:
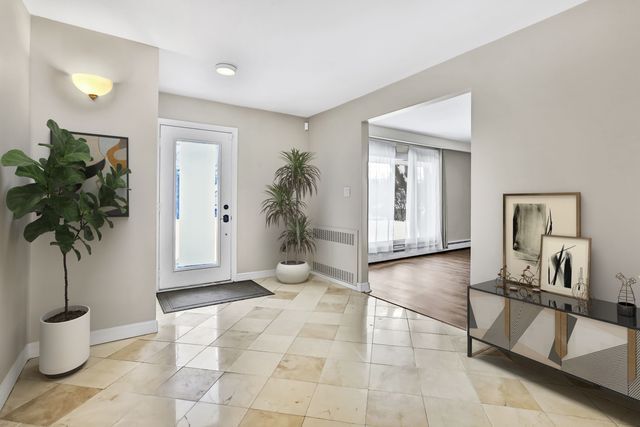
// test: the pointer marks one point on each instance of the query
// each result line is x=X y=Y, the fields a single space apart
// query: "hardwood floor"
x=434 y=285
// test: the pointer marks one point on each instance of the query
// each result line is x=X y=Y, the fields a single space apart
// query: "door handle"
x=225 y=218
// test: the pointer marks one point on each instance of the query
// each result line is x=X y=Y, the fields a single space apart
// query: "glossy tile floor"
x=312 y=355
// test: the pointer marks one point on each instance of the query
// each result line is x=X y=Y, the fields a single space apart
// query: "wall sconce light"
x=92 y=85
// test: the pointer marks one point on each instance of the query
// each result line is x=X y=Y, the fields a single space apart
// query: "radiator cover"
x=336 y=254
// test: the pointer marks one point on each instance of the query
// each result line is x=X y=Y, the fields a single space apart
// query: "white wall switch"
x=346 y=191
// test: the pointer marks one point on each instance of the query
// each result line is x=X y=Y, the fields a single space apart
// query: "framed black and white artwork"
x=527 y=217
x=565 y=265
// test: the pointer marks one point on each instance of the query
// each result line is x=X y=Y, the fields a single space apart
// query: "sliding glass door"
x=405 y=198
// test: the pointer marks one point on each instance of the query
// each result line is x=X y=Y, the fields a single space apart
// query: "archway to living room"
x=419 y=207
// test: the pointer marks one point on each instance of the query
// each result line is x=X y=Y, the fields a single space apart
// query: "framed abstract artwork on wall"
x=527 y=217
x=106 y=151
x=565 y=265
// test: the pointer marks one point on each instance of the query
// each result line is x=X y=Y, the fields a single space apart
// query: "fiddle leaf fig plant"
x=60 y=205
x=284 y=203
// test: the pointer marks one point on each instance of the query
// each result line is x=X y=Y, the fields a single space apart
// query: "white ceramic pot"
x=64 y=346
x=292 y=273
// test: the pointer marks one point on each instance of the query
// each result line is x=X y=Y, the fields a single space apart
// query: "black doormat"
x=184 y=299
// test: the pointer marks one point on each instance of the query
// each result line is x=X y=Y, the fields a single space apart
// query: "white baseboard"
x=359 y=287
x=33 y=349
x=251 y=275
x=12 y=376
x=363 y=287
x=390 y=256
x=101 y=336
x=462 y=244
x=116 y=333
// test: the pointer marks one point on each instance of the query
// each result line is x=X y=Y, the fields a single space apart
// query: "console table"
x=587 y=340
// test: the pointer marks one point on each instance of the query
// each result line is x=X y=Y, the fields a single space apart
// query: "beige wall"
x=555 y=108
x=14 y=128
x=262 y=135
x=118 y=280
x=457 y=195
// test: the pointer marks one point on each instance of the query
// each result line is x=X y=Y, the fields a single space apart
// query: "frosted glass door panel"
x=197 y=210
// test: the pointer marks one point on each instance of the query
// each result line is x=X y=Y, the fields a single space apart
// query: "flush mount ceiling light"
x=92 y=85
x=225 y=69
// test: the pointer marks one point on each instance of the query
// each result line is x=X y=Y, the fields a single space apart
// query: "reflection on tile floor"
x=312 y=355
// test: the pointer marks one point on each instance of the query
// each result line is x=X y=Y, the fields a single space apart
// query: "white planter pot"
x=64 y=346
x=292 y=273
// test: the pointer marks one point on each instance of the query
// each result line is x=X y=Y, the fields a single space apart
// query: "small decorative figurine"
x=528 y=277
x=626 y=297
x=580 y=289
x=503 y=276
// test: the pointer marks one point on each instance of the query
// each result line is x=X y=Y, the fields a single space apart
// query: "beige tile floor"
x=312 y=355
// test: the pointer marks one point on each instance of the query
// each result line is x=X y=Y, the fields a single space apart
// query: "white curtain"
x=382 y=158
x=424 y=201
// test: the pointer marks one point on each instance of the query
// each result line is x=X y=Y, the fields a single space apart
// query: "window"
x=405 y=206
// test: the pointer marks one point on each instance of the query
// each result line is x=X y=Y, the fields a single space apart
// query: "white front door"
x=195 y=205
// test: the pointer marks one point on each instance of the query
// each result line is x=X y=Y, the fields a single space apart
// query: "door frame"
x=234 y=189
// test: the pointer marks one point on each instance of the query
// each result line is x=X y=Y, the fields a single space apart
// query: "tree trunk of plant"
x=298 y=247
x=66 y=285
x=286 y=254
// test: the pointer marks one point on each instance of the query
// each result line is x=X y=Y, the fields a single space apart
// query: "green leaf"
x=65 y=238
x=16 y=158
x=96 y=220
x=37 y=228
x=88 y=234
x=34 y=172
x=77 y=157
x=77 y=252
x=69 y=176
x=84 y=203
x=21 y=200
x=93 y=198
x=66 y=208
x=56 y=134
x=86 y=246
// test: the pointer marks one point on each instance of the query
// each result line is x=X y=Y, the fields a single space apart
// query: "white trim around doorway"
x=234 y=187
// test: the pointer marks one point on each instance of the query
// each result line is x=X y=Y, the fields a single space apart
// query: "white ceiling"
x=449 y=118
x=299 y=56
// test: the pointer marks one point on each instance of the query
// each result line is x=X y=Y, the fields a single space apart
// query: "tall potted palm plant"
x=72 y=217
x=285 y=206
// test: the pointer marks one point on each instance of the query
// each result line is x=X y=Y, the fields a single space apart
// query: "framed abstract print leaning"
x=565 y=265
x=527 y=217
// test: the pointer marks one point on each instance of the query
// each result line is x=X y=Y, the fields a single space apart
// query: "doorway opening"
x=196 y=232
x=419 y=207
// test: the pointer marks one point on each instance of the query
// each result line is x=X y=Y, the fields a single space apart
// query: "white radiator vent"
x=336 y=273
x=336 y=253
x=344 y=237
